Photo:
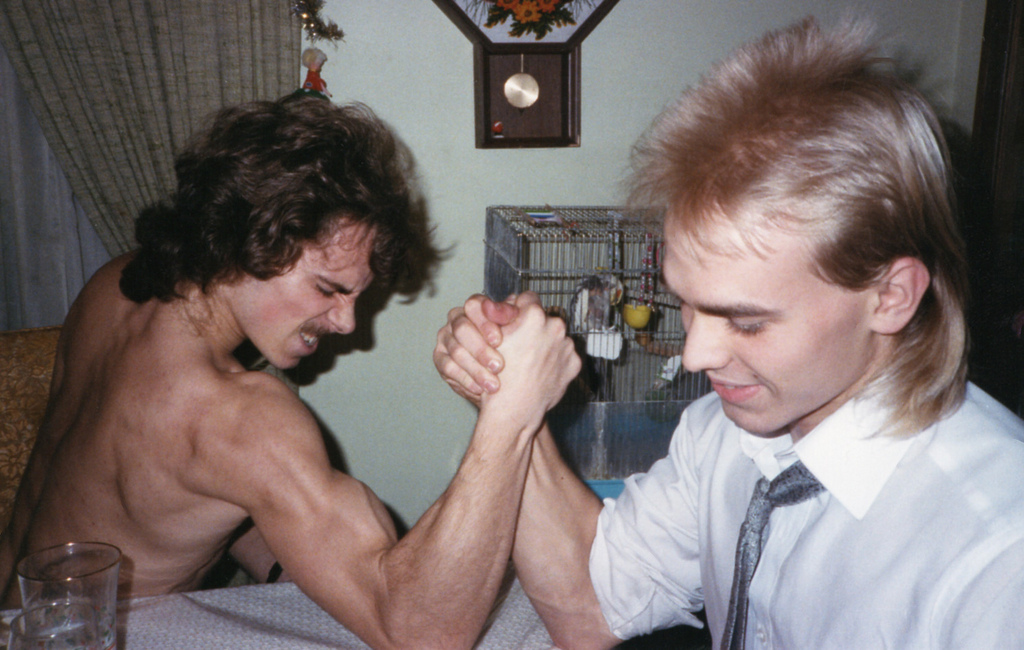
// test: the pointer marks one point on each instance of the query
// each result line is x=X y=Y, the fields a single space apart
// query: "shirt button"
x=762 y=635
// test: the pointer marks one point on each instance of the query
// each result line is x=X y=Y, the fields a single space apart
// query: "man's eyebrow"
x=337 y=288
x=738 y=310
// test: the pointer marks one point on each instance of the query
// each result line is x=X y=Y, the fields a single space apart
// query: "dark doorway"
x=993 y=207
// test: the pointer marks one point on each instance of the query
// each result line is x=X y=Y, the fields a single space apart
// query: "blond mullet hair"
x=804 y=130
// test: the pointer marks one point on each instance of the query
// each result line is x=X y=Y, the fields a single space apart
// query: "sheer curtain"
x=48 y=247
x=118 y=85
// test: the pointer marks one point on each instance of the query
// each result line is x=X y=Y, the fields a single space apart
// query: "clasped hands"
x=510 y=351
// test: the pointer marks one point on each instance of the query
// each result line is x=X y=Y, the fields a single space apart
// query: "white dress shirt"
x=918 y=541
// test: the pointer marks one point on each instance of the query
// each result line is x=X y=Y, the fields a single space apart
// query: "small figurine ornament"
x=314 y=59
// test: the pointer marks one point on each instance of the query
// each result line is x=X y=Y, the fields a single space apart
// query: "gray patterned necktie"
x=792 y=486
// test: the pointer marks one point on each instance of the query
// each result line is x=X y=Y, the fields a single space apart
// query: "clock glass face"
x=516 y=21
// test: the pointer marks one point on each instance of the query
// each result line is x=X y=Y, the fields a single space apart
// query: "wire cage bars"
x=599 y=268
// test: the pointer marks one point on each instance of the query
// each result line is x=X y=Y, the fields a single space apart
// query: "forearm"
x=466 y=538
x=555 y=531
x=445 y=573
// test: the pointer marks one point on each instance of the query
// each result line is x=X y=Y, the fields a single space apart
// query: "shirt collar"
x=771 y=455
x=844 y=452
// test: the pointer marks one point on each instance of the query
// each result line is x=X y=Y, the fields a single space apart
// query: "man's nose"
x=705 y=346
x=342 y=317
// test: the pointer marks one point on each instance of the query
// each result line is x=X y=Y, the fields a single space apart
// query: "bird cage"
x=599 y=268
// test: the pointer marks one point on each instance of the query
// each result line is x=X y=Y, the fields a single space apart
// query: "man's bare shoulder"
x=258 y=404
x=99 y=305
x=252 y=425
x=103 y=286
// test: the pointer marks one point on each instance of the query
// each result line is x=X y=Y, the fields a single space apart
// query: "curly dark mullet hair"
x=266 y=179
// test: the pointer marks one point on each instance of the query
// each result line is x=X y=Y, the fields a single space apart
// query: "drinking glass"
x=76 y=572
x=63 y=624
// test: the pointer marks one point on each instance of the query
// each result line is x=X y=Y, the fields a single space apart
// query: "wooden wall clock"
x=526 y=67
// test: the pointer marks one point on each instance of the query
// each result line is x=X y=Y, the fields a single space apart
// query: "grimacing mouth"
x=310 y=336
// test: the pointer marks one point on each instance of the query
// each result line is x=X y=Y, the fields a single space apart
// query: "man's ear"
x=898 y=293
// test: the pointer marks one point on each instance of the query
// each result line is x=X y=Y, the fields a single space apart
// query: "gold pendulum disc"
x=521 y=90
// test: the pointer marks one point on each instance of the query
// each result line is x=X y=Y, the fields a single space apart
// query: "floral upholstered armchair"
x=26 y=367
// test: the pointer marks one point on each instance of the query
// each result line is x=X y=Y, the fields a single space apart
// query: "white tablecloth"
x=281 y=616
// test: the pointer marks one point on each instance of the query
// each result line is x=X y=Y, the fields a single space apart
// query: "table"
x=280 y=616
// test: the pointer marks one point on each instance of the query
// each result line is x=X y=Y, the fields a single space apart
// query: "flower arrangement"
x=536 y=17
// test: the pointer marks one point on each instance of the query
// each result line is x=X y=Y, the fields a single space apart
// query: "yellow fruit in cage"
x=636 y=316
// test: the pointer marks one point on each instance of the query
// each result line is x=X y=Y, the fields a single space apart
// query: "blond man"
x=811 y=240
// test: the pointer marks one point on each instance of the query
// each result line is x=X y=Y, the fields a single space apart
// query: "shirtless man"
x=159 y=441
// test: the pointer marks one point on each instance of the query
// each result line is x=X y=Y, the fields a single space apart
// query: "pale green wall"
x=400 y=428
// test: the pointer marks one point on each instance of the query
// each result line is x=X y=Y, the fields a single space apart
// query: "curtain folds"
x=118 y=86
